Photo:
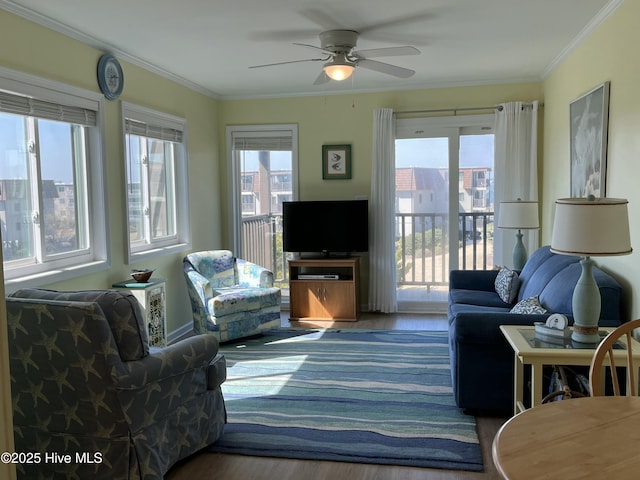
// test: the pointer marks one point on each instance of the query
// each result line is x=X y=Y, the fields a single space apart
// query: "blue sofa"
x=482 y=363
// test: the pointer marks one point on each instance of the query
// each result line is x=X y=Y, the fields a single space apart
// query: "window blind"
x=33 y=107
x=159 y=132
x=270 y=141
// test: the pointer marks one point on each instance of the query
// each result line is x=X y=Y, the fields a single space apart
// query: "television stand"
x=324 y=289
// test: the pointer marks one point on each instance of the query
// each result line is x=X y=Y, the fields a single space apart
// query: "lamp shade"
x=518 y=214
x=591 y=227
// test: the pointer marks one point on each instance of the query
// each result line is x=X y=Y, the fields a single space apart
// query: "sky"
x=475 y=151
x=55 y=149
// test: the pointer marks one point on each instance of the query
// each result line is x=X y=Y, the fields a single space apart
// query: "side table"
x=151 y=296
x=528 y=350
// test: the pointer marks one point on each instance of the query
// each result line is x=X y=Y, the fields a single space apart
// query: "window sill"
x=53 y=276
x=144 y=255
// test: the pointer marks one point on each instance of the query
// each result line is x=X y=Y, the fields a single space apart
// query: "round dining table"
x=591 y=437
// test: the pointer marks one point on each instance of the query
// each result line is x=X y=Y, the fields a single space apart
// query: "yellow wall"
x=48 y=54
x=607 y=55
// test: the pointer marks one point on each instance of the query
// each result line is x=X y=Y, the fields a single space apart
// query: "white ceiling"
x=209 y=44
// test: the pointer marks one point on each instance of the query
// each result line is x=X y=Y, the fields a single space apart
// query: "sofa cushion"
x=457 y=308
x=242 y=299
x=476 y=297
x=540 y=269
x=529 y=306
x=506 y=285
x=122 y=311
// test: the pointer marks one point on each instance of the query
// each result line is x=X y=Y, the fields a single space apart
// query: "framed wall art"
x=336 y=162
x=589 y=117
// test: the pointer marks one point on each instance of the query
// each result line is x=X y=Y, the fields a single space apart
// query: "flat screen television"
x=329 y=227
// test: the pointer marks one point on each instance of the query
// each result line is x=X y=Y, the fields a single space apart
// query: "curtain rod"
x=456 y=110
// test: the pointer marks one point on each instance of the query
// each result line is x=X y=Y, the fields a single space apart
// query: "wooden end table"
x=530 y=351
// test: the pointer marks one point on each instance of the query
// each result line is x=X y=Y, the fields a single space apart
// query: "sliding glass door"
x=444 y=205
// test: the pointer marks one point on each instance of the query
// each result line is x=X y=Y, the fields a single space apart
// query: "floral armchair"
x=85 y=383
x=230 y=297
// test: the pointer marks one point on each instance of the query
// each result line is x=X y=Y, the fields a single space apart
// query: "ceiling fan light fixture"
x=338 y=72
x=340 y=68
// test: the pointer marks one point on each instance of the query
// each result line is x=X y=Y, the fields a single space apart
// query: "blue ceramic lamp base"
x=586 y=305
x=519 y=253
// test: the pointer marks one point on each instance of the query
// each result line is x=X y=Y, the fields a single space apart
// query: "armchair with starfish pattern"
x=85 y=383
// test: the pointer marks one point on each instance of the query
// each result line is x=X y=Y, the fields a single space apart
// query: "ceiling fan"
x=340 y=57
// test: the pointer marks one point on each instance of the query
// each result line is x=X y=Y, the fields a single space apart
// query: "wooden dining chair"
x=604 y=357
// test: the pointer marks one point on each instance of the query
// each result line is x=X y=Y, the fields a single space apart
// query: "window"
x=437 y=236
x=156 y=182
x=52 y=206
x=478 y=179
x=262 y=163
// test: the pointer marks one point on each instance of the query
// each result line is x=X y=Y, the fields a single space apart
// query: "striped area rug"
x=363 y=396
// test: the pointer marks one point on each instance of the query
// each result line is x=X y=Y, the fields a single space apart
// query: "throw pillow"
x=529 y=306
x=507 y=284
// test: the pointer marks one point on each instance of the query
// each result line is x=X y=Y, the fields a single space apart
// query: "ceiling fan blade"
x=385 y=68
x=283 y=36
x=321 y=18
x=398 y=21
x=330 y=21
x=387 y=52
x=292 y=61
x=314 y=48
x=322 y=78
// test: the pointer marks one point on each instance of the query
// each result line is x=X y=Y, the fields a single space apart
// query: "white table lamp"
x=519 y=215
x=589 y=227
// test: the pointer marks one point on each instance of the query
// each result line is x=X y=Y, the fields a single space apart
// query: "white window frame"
x=182 y=240
x=234 y=220
x=98 y=255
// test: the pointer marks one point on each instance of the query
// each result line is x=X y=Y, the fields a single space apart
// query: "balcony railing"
x=262 y=244
x=422 y=245
x=476 y=242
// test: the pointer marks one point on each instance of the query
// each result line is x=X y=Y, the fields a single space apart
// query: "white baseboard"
x=177 y=334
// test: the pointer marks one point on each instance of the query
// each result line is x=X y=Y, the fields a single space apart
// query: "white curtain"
x=382 y=256
x=516 y=171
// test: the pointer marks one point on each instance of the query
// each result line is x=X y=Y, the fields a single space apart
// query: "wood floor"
x=209 y=466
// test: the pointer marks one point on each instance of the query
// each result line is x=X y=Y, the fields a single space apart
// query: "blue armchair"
x=230 y=297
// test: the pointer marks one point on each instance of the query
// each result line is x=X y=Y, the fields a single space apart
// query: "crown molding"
x=591 y=27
